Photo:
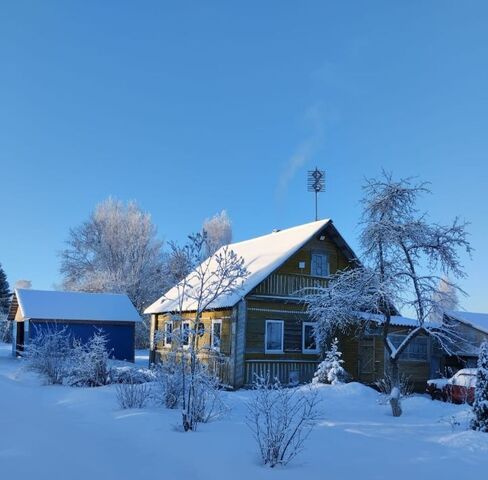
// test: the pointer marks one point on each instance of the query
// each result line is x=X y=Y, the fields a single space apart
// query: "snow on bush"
x=480 y=405
x=49 y=353
x=330 y=370
x=132 y=393
x=281 y=419
x=169 y=381
x=90 y=362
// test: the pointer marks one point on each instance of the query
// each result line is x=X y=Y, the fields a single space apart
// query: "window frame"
x=308 y=351
x=327 y=264
x=216 y=348
x=167 y=323
x=187 y=344
x=275 y=352
x=406 y=355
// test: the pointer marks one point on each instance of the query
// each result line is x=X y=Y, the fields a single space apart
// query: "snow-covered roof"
x=58 y=305
x=396 y=320
x=262 y=255
x=476 y=320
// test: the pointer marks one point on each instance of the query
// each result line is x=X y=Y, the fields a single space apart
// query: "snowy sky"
x=197 y=106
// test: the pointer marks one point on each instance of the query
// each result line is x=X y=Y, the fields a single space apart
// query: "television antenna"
x=316 y=184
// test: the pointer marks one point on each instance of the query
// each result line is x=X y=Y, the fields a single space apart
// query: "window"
x=309 y=345
x=215 y=335
x=416 y=350
x=168 y=333
x=320 y=265
x=273 y=341
x=185 y=333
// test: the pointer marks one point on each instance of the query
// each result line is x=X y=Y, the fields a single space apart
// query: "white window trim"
x=212 y=346
x=165 y=344
x=308 y=350
x=266 y=336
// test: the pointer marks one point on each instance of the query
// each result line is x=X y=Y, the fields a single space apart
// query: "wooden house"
x=265 y=329
x=82 y=314
x=471 y=331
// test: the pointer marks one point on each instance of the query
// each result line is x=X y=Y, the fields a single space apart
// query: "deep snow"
x=49 y=432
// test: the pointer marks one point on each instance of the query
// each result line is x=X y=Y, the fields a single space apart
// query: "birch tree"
x=407 y=257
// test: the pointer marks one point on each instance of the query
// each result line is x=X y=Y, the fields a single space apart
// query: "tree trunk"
x=396 y=408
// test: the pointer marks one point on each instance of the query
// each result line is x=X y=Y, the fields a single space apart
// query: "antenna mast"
x=316 y=184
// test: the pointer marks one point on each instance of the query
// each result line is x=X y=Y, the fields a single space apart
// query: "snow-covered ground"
x=49 y=432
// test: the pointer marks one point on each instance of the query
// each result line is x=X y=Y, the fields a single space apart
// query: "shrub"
x=281 y=419
x=169 y=381
x=90 y=362
x=49 y=353
x=132 y=393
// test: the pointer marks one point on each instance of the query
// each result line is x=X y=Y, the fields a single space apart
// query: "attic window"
x=320 y=265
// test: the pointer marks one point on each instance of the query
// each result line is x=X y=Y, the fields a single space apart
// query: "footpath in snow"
x=52 y=432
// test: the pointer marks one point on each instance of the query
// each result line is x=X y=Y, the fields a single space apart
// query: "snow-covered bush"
x=385 y=386
x=5 y=329
x=131 y=374
x=169 y=381
x=208 y=404
x=281 y=419
x=90 y=362
x=480 y=405
x=330 y=370
x=49 y=353
x=132 y=393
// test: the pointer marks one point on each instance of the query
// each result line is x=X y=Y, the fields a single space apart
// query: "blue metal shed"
x=81 y=313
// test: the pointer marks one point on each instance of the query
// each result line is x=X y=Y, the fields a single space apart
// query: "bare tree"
x=220 y=275
x=407 y=258
x=219 y=232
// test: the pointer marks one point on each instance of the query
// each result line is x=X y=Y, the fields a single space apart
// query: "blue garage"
x=82 y=314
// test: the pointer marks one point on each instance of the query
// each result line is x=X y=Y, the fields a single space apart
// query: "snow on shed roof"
x=476 y=320
x=58 y=305
x=397 y=320
x=262 y=255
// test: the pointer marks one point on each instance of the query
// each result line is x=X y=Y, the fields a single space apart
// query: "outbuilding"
x=33 y=311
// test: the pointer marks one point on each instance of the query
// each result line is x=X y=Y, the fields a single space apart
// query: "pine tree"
x=480 y=405
x=4 y=292
x=330 y=369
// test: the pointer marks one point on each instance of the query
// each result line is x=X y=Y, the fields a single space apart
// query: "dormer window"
x=320 y=265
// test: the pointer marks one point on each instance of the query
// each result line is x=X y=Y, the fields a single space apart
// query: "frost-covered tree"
x=330 y=369
x=115 y=250
x=480 y=405
x=407 y=257
x=5 y=295
x=445 y=299
x=221 y=274
x=219 y=232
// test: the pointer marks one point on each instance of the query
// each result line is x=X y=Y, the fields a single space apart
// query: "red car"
x=459 y=388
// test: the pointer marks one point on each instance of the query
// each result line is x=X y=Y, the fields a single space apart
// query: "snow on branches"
x=480 y=405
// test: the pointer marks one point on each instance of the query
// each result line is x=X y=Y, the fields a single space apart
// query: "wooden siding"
x=353 y=345
x=206 y=319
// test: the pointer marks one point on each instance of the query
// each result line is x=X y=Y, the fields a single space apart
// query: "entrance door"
x=19 y=337
x=366 y=360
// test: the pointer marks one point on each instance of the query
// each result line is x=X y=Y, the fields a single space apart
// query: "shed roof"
x=262 y=255
x=59 y=305
x=476 y=320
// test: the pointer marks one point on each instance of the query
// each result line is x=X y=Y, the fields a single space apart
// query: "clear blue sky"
x=191 y=107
